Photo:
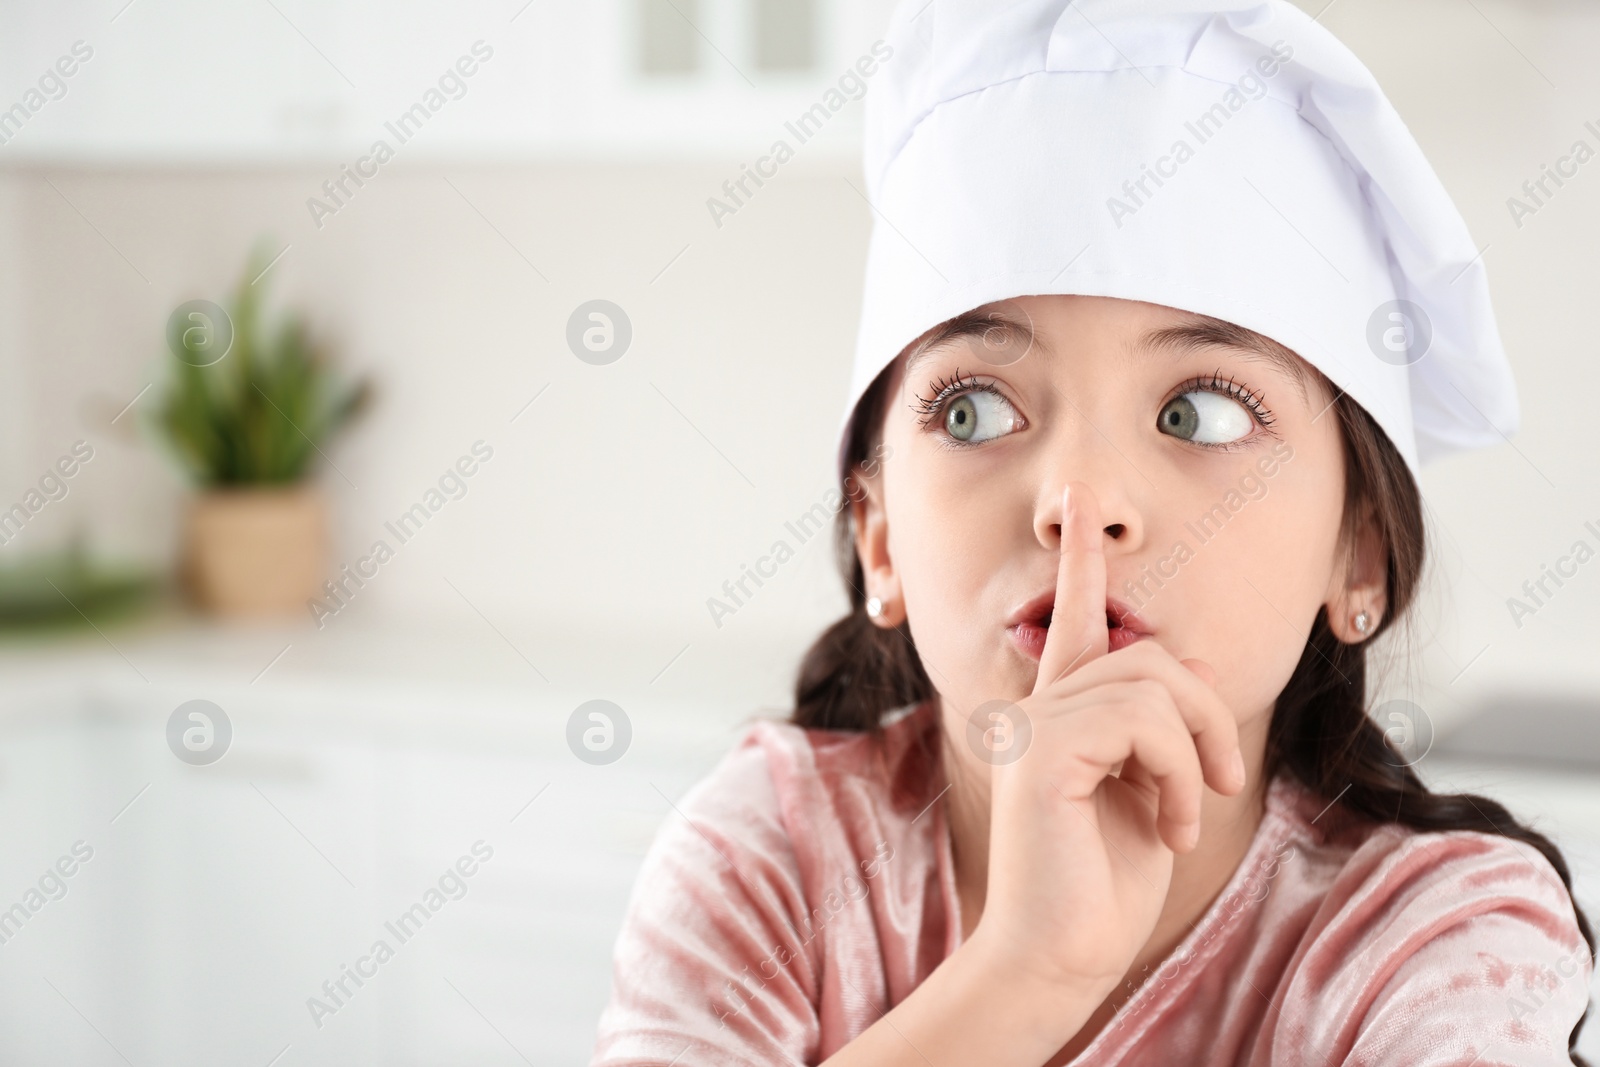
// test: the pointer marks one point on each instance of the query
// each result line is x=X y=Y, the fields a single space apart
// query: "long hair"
x=1320 y=732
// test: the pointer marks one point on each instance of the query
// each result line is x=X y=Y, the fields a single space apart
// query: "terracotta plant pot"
x=256 y=552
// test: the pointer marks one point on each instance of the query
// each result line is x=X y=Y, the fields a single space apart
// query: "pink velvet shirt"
x=805 y=887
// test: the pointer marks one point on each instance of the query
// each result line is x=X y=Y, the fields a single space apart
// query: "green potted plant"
x=246 y=411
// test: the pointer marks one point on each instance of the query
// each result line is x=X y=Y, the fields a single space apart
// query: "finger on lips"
x=1158 y=719
x=1077 y=633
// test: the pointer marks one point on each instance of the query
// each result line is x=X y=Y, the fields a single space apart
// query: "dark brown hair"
x=1320 y=731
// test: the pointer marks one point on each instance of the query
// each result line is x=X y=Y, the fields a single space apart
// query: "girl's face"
x=1218 y=471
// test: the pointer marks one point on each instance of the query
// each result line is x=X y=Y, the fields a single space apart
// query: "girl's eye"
x=1214 y=411
x=1205 y=418
x=979 y=415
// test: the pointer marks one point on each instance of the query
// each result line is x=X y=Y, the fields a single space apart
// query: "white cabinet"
x=217 y=903
x=184 y=81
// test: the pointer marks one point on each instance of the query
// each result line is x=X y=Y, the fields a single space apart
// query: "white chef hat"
x=1229 y=157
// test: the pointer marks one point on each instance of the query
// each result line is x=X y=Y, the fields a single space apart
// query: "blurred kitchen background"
x=585 y=483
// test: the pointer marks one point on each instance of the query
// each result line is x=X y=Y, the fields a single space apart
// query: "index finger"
x=1077 y=631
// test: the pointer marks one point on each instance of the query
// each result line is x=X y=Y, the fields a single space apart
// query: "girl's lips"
x=1031 y=623
x=1029 y=638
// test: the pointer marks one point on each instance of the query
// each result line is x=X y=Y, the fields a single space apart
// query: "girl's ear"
x=1357 y=596
x=871 y=526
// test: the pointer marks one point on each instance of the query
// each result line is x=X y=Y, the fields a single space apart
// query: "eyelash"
x=946 y=389
x=1249 y=399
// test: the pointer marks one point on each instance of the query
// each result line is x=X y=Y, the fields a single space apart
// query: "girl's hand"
x=1080 y=853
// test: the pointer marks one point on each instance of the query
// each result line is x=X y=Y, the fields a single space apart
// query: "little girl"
x=1087 y=774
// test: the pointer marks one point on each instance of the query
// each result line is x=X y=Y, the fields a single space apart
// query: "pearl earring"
x=1362 y=621
x=874 y=606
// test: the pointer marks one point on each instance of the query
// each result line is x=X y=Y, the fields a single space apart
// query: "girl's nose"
x=1122 y=522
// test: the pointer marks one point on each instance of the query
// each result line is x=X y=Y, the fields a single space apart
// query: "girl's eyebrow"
x=1204 y=332
x=973 y=323
x=1199 y=333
